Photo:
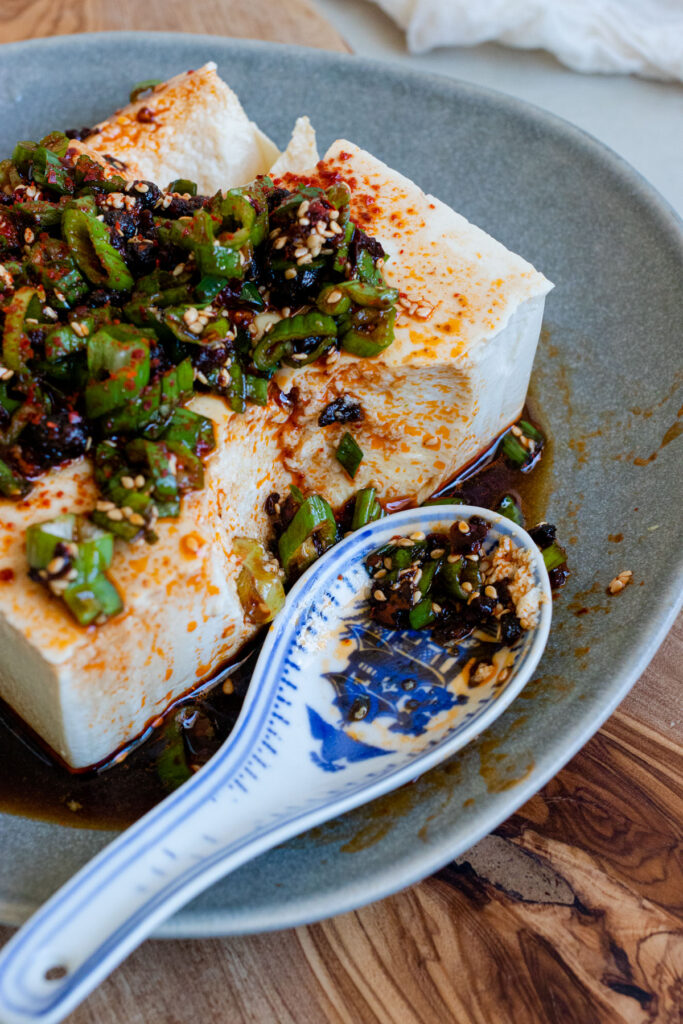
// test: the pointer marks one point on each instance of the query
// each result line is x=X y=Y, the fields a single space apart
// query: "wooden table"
x=581 y=921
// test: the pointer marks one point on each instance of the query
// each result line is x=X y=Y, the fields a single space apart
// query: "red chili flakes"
x=145 y=115
x=6 y=575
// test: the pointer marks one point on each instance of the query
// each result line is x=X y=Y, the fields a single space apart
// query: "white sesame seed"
x=136 y=519
x=281 y=242
x=380 y=574
x=437 y=553
x=115 y=514
x=436 y=608
x=334 y=214
x=290 y=273
x=308 y=258
x=141 y=187
x=419 y=535
x=128 y=482
x=178 y=269
x=405 y=542
x=379 y=595
x=463 y=527
x=490 y=591
x=467 y=587
x=28 y=236
x=56 y=565
x=104 y=506
x=139 y=481
x=335 y=228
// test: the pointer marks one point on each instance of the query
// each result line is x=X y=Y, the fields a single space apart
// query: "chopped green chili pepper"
x=452 y=500
x=159 y=466
x=450 y=578
x=22 y=155
x=342 y=254
x=88 y=601
x=11 y=484
x=57 y=142
x=72 y=543
x=195 y=430
x=16 y=347
x=313 y=521
x=367 y=332
x=281 y=340
x=172 y=767
x=421 y=614
x=154 y=406
x=142 y=87
x=51 y=261
x=366 y=509
x=49 y=172
x=256 y=389
x=509 y=508
x=513 y=446
x=7 y=402
x=367 y=271
x=349 y=454
x=121 y=353
x=42 y=214
x=553 y=556
x=430 y=570
x=88 y=240
x=361 y=294
x=183 y=187
x=471 y=573
x=244 y=217
x=259 y=584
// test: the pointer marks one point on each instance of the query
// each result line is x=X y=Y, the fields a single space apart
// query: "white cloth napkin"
x=643 y=37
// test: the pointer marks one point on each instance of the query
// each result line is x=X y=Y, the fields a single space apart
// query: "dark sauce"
x=32 y=784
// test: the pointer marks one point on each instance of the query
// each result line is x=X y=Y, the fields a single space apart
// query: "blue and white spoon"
x=339 y=711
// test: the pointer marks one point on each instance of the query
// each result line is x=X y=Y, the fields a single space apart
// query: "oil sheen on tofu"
x=456 y=376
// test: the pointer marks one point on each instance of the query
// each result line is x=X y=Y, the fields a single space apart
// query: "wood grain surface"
x=570 y=913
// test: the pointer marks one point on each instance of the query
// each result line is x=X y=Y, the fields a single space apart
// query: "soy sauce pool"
x=33 y=785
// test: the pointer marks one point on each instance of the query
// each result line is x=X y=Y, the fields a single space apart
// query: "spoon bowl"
x=340 y=710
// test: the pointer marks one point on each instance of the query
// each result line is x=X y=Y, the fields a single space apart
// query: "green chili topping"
x=120 y=302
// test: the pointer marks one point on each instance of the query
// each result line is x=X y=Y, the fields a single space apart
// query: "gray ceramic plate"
x=604 y=380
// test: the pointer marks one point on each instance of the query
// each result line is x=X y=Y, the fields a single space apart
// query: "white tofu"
x=301 y=152
x=457 y=373
x=193 y=127
x=88 y=691
x=455 y=377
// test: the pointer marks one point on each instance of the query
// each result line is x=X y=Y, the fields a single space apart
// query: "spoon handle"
x=229 y=812
x=247 y=798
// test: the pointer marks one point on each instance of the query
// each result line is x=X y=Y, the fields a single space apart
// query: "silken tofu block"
x=87 y=691
x=456 y=376
x=193 y=126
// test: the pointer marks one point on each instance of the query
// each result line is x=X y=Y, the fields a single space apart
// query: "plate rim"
x=304 y=910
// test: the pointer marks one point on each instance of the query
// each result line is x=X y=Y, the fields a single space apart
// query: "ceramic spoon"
x=339 y=711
